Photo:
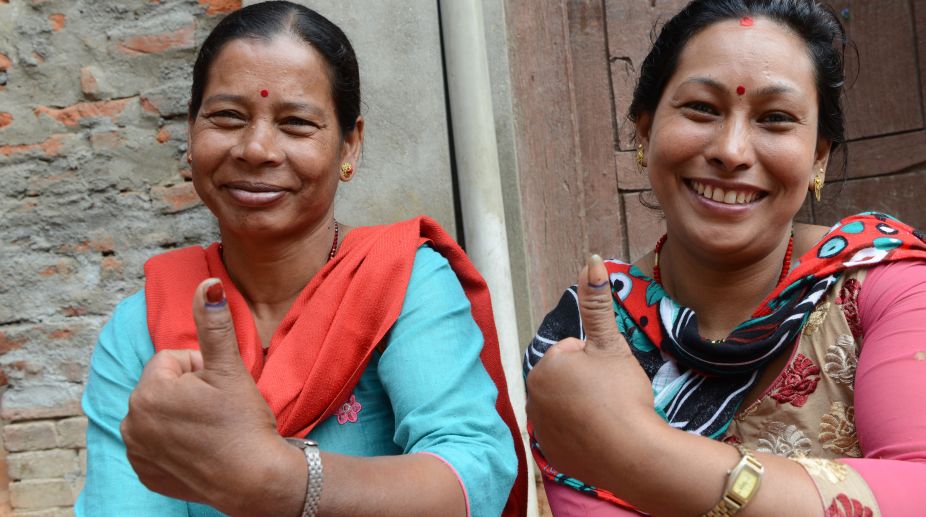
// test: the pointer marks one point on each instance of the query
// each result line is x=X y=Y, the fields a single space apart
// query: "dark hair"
x=813 y=21
x=269 y=19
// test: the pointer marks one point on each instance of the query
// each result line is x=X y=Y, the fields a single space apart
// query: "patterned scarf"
x=699 y=384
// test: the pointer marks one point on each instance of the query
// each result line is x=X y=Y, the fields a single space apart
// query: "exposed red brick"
x=50 y=147
x=63 y=267
x=5 y=63
x=156 y=43
x=220 y=6
x=106 y=139
x=148 y=106
x=57 y=21
x=111 y=264
x=7 y=344
x=176 y=198
x=5 y=119
x=70 y=115
x=3 y=382
x=102 y=244
x=61 y=334
x=72 y=312
x=88 y=83
x=78 y=247
x=163 y=133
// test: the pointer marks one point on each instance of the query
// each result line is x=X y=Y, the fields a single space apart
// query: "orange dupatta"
x=323 y=345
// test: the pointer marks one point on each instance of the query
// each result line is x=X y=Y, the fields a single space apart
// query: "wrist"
x=272 y=483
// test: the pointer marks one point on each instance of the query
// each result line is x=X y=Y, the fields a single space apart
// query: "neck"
x=272 y=272
x=723 y=293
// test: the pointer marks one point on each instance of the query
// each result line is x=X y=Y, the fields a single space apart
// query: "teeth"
x=727 y=197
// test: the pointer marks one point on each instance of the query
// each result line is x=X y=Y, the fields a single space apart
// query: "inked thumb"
x=595 y=307
x=215 y=329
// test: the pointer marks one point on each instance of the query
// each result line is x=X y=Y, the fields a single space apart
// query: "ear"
x=352 y=143
x=643 y=125
x=822 y=155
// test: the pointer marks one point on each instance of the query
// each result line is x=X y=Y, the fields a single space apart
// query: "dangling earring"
x=818 y=185
x=347 y=171
x=641 y=158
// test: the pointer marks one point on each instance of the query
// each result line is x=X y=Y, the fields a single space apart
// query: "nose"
x=258 y=145
x=731 y=149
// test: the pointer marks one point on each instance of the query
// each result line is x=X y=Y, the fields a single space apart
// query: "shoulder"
x=125 y=338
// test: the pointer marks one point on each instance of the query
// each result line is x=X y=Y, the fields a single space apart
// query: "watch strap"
x=730 y=503
x=313 y=488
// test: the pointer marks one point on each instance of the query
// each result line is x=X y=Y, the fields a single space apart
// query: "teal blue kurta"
x=427 y=392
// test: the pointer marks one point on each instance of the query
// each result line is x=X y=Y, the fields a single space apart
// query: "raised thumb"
x=595 y=307
x=216 y=330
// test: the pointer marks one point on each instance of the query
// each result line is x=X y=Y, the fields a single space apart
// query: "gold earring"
x=189 y=158
x=347 y=171
x=641 y=157
x=818 y=185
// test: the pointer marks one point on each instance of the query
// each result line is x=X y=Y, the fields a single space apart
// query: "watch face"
x=746 y=483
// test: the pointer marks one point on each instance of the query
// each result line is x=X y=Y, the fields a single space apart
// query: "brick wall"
x=92 y=182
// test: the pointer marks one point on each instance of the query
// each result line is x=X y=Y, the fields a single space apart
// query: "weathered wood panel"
x=568 y=182
x=883 y=155
x=900 y=195
x=630 y=23
x=883 y=95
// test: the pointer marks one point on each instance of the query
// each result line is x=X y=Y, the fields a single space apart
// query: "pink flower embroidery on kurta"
x=843 y=506
x=348 y=411
x=797 y=383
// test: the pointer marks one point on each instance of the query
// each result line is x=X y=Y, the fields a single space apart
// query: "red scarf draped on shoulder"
x=325 y=341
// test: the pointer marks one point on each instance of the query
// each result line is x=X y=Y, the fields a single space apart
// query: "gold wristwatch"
x=742 y=484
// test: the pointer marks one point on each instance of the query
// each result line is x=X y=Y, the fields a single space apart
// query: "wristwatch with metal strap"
x=742 y=484
x=313 y=489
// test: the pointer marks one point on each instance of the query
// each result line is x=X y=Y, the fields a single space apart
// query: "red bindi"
x=740 y=90
x=746 y=21
x=264 y=93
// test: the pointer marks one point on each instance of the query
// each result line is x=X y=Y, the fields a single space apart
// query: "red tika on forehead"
x=264 y=93
x=740 y=90
x=746 y=21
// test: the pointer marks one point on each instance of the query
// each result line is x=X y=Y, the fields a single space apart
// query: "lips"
x=254 y=194
x=727 y=196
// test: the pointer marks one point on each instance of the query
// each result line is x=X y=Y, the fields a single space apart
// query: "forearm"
x=678 y=473
x=414 y=484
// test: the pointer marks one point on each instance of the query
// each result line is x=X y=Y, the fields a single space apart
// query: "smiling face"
x=266 y=146
x=732 y=146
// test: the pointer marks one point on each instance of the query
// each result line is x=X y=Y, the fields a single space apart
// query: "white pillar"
x=479 y=180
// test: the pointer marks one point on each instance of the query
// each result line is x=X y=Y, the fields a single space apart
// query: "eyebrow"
x=774 y=89
x=286 y=105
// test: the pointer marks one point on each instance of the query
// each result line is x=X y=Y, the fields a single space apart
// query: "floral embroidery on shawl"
x=784 y=440
x=837 y=431
x=348 y=410
x=842 y=360
x=844 y=506
x=848 y=299
x=830 y=470
x=816 y=318
x=797 y=383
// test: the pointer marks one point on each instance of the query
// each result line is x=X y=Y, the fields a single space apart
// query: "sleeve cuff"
x=457 y=474
x=842 y=489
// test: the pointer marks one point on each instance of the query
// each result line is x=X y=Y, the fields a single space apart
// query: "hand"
x=590 y=402
x=197 y=427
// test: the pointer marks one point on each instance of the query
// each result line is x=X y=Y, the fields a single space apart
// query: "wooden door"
x=573 y=67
